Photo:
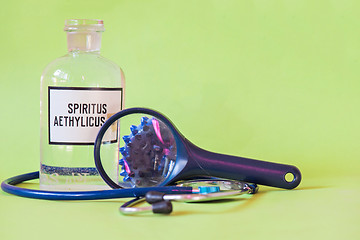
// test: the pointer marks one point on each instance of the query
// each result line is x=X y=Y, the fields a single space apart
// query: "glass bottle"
x=79 y=92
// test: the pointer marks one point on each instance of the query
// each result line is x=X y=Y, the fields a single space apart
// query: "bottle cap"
x=91 y=25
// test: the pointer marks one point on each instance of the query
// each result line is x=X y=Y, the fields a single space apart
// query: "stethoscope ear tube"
x=9 y=186
x=161 y=202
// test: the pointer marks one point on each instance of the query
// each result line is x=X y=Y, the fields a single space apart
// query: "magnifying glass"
x=140 y=147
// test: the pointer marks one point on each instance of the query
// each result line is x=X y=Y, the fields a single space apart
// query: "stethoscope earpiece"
x=209 y=191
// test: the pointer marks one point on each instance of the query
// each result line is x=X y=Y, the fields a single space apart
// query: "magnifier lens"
x=138 y=150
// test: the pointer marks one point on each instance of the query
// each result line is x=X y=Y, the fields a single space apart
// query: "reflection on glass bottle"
x=79 y=92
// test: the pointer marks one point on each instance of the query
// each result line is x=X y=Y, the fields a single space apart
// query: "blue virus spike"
x=127 y=178
x=123 y=151
x=123 y=173
x=144 y=120
x=121 y=161
x=134 y=129
x=156 y=148
x=127 y=139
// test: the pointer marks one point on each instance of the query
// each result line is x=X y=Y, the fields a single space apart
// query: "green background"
x=271 y=80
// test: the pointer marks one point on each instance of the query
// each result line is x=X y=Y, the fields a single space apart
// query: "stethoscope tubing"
x=8 y=186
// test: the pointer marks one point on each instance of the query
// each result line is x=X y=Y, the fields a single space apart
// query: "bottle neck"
x=84 y=41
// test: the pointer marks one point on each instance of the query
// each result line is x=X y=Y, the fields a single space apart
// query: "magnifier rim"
x=105 y=127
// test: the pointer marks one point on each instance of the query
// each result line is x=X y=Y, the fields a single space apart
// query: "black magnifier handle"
x=155 y=153
x=245 y=169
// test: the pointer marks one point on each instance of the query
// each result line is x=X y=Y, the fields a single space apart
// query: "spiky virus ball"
x=148 y=155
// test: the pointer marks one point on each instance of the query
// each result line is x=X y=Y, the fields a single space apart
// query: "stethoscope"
x=160 y=198
x=154 y=157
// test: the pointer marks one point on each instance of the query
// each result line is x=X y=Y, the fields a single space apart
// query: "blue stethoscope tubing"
x=8 y=186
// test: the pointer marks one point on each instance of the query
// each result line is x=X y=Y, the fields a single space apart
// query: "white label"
x=77 y=114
